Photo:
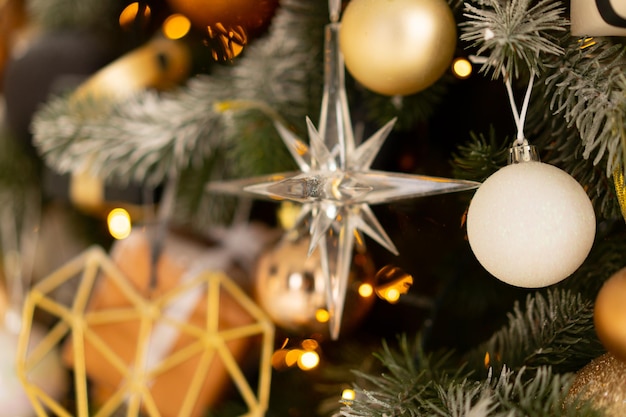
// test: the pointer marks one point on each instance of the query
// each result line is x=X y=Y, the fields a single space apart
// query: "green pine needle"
x=514 y=36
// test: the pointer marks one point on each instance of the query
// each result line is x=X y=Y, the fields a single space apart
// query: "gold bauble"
x=291 y=288
x=159 y=64
x=609 y=314
x=392 y=282
x=252 y=15
x=397 y=47
x=602 y=382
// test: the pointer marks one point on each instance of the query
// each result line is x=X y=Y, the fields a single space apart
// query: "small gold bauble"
x=397 y=47
x=609 y=314
x=392 y=282
x=291 y=288
x=602 y=382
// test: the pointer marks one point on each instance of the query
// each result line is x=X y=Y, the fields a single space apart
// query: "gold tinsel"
x=620 y=190
x=603 y=381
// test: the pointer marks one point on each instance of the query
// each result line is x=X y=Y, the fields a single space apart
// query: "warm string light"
x=322 y=315
x=305 y=356
x=348 y=395
x=119 y=223
x=461 y=68
x=176 y=26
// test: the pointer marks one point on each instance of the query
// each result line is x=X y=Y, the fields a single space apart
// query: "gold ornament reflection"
x=226 y=43
x=392 y=282
x=290 y=286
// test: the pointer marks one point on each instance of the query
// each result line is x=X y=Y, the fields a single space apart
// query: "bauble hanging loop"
x=523 y=152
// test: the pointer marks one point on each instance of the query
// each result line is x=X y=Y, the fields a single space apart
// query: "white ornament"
x=531 y=224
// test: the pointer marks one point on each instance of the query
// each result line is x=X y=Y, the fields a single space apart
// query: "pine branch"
x=480 y=157
x=410 y=383
x=556 y=329
x=514 y=36
x=587 y=88
x=561 y=145
x=427 y=390
x=150 y=136
x=512 y=394
x=409 y=110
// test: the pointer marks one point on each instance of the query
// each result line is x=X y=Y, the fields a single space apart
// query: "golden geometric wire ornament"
x=139 y=379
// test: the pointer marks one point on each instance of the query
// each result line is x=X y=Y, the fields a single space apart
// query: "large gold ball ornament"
x=291 y=288
x=252 y=15
x=609 y=314
x=602 y=382
x=397 y=47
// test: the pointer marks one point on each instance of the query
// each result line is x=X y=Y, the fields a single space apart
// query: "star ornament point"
x=337 y=201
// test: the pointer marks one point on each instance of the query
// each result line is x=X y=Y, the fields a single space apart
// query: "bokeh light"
x=348 y=395
x=308 y=360
x=305 y=356
x=310 y=344
x=461 y=68
x=366 y=290
x=322 y=315
x=176 y=26
x=130 y=13
x=119 y=223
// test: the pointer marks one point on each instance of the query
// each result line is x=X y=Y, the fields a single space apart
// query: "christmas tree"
x=509 y=307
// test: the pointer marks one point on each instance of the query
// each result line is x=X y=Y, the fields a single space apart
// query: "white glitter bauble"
x=531 y=224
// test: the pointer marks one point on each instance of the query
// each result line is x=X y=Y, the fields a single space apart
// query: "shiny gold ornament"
x=226 y=43
x=160 y=64
x=397 y=47
x=609 y=314
x=620 y=190
x=290 y=287
x=602 y=382
x=252 y=15
x=392 y=282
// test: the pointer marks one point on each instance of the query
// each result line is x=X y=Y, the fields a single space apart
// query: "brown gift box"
x=180 y=259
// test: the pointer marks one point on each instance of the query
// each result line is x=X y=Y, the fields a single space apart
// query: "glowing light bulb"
x=292 y=357
x=462 y=68
x=366 y=290
x=176 y=26
x=119 y=223
x=308 y=360
x=348 y=395
x=322 y=315
x=392 y=295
